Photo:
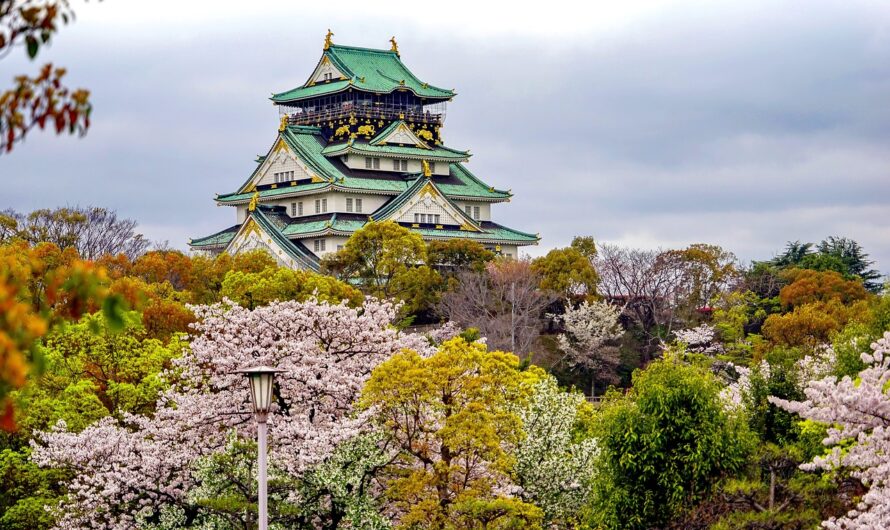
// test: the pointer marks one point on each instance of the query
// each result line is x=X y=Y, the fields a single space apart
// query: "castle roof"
x=365 y=69
x=438 y=153
x=287 y=231
x=331 y=173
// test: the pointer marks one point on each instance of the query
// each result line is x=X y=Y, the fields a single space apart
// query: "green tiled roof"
x=397 y=202
x=334 y=222
x=218 y=239
x=369 y=70
x=493 y=232
x=272 y=225
x=305 y=92
x=271 y=193
x=378 y=138
x=419 y=184
x=308 y=144
x=468 y=185
x=437 y=153
x=284 y=230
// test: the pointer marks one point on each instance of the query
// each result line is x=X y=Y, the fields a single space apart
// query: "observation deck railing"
x=378 y=111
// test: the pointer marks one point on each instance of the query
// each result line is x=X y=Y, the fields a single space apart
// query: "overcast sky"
x=656 y=124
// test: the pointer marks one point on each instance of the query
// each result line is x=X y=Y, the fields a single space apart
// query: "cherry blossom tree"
x=857 y=413
x=127 y=470
x=554 y=464
x=588 y=327
x=700 y=339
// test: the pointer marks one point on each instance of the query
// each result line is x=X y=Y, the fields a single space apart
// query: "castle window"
x=348 y=204
x=432 y=167
x=293 y=209
x=468 y=210
x=319 y=245
x=324 y=206
x=376 y=163
x=283 y=176
x=317 y=205
x=476 y=213
x=435 y=219
x=400 y=165
x=368 y=161
x=358 y=205
x=300 y=208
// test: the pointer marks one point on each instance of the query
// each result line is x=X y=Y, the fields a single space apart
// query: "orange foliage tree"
x=813 y=324
x=41 y=287
x=809 y=286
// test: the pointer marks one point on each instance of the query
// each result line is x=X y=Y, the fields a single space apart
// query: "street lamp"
x=261 y=379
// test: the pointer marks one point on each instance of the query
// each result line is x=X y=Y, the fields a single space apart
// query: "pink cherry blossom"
x=857 y=413
x=123 y=468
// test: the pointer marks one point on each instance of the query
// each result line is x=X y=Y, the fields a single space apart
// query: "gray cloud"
x=744 y=124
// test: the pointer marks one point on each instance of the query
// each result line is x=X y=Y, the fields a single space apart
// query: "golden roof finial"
x=395 y=45
x=254 y=201
x=327 y=39
x=427 y=172
x=283 y=125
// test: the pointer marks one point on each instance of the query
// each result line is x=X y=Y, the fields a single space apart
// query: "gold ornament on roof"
x=283 y=125
x=427 y=172
x=395 y=46
x=327 y=39
x=254 y=201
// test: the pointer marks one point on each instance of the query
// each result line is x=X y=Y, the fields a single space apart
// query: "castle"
x=359 y=141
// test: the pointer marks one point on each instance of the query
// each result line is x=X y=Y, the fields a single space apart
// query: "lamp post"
x=261 y=379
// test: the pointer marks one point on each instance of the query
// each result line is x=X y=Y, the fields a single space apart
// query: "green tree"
x=450 y=417
x=839 y=254
x=456 y=255
x=854 y=258
x=388 y=261
x=25 y=491
x=567 y=272
x=586 y=246
x=253 y=289
x=664 y=446
x=92 y=371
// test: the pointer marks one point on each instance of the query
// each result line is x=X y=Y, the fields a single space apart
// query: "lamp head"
x=261 y=379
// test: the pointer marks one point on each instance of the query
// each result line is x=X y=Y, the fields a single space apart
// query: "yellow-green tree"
x=388 y=261
x=253 y=289
x=568 y=272
x=449 y=415
x=458 y=255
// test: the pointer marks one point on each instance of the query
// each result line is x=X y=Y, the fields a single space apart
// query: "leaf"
x=33 y=45
x=113 y=311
